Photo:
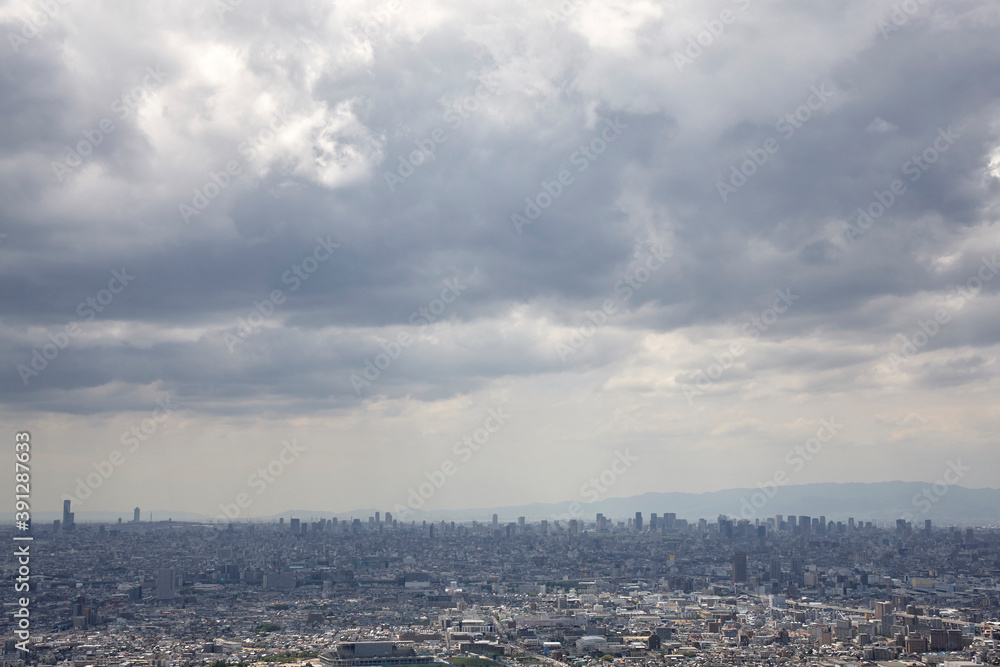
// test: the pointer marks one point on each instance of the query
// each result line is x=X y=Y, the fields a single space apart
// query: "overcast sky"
x=629 y=229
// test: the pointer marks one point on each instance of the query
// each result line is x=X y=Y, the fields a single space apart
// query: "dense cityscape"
x=649 y=590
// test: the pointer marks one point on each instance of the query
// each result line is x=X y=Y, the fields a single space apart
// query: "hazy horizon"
x=885 y=502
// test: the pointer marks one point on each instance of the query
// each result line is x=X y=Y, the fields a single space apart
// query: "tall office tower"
x=778 y=520
x=544 y=526
x=793 y=522
x=68 y=516
x=805 y=524
x=495 y=522
x=775 y=568
x=388 y=518
x=740 y=566
x=574 y=527
x=822 y=525
x=654 y=523
x=295 y=526
x=900 y=526
x=520 y=523
x=378 y=518
x=135 y=515
x=638 y=522
x=165 y=577
x=600 y=522
x=669 y=519
x=927 y=527
x=850 y=524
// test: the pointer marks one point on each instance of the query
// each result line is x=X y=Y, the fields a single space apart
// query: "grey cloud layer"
x=354 y=113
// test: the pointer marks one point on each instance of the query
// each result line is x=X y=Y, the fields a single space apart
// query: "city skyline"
x=883 y=504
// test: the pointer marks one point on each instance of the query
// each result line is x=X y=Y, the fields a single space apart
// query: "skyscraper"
x=776 y=568
x=165 y=583
x=67 y=520
x=135 y=515
x=740 y=566
x=638 y=522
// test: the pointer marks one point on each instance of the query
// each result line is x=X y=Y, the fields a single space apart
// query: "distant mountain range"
x=880 y=502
